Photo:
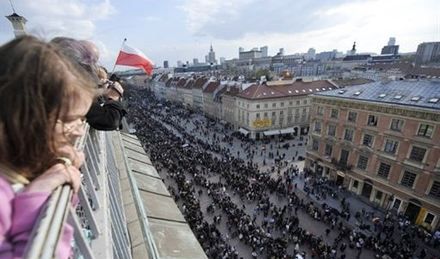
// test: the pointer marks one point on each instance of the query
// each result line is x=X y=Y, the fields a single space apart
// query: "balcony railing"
x=100 y=229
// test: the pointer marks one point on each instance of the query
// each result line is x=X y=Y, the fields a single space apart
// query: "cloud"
x=324 y=25
x=73 y=18
x=232 y=19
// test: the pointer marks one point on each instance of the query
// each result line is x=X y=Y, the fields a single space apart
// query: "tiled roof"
x=168 y=83
x=408 y=69
x=423 y=93
x=189 y=83
x=199 y=82
x=284 y=90
x=181 y=83
x=232 y=90
x=351 y=82
x=210 y=88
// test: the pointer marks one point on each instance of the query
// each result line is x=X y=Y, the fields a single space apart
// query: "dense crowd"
x=196 y=166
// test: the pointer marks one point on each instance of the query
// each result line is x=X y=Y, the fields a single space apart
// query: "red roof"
x=189 y=83
x=296 y=88
x=181 y=83
x=232 y=90
x=210 y=88
x=198 y=84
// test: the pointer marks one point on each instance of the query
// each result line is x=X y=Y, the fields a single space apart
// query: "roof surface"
x=296 y=88
x=423 y=93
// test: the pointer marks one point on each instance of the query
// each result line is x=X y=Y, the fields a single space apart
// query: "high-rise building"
x=264 y=51
x=179 y=63
x=392 y=41
x=165 y=64
x=428 y=52
x=195 y=61
x=211 y=56
x=390 y=48
x=222 y=60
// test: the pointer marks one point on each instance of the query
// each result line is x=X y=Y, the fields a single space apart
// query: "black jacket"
x=106 y=115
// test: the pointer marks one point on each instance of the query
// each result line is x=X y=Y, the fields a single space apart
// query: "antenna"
x=12 y=6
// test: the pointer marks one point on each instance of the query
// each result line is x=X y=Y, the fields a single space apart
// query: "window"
x=257 y=115
x=315 y=144
x=348 y=134
x=372 y=120
x=396 y=204
x=274 y=114
x=331 y=130
x=265 y=105
x=391 y=146
x=429 y=218
x=265 y=115
x=305 y=102
x=379 y=195
x=408 y=179
x=368 y=140
x=435 y=190
x=320 y=110
x=352 y=116
x=334 y=113
x=356 y=184
x=281 y=113
x=247 y=106
x=297 y=103
x=417 y=154
x=396 y=124
x=274 y=105
x=290 y=103
x=362 y=162
x=318 y=127
x=258 y=106
x=328 y=150
x=425 y=130
x=344 y=156
x=384 y=170
x=282 y=104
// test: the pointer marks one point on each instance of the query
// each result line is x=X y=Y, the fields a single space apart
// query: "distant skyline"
x=184 y=29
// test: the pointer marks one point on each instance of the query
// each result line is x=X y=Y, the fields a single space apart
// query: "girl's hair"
x=38 y=85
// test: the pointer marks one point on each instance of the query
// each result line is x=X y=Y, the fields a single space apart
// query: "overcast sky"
x=183 y=29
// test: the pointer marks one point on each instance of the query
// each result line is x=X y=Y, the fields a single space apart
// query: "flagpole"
x=122 y=45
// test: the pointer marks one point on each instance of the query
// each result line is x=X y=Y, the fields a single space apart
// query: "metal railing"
x=99 y=222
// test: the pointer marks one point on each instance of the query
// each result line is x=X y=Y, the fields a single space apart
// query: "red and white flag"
x=133 y=57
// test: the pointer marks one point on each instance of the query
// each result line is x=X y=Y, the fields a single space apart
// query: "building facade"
x=277 y=107
x=382 y=142
x=428 y=52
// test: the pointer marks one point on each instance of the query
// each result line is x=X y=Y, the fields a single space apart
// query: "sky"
x=184 y=29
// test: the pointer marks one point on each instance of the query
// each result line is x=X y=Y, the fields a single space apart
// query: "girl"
x=43 y=101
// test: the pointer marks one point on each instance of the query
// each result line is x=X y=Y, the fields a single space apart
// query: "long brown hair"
x=36 y=84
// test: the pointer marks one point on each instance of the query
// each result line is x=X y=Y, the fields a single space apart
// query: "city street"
x=206 y=168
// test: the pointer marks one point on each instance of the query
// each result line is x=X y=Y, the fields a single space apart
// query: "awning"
x=271 y=132
x=243 y=131
x=287 y=131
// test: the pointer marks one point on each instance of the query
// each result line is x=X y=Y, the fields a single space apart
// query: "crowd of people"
x=262 y=210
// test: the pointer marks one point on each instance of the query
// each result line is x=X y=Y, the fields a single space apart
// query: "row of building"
x=380 y=140
x=257 y=110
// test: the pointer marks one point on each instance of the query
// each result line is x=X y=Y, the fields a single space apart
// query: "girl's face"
x=70 y=126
